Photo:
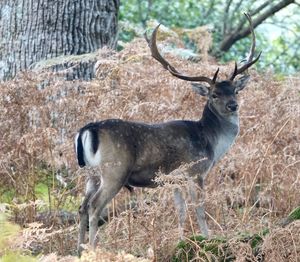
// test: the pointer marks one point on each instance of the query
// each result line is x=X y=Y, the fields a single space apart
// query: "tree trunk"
x=35 y=30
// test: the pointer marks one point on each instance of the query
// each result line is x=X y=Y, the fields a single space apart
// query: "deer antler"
x=156 y=55
x=250 y=60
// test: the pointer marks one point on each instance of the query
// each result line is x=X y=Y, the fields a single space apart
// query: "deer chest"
x=223 y=143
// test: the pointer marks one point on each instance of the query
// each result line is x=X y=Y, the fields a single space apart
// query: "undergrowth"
x=254 y=187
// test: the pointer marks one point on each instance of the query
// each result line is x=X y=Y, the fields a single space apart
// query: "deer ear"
x=241 y=82
x=200 y=89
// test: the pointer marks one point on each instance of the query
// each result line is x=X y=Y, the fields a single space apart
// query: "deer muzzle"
x=232 y=106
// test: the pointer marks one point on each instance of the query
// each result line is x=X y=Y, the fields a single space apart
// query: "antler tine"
x=250 y=60
x=157 y=56
x=215 y=75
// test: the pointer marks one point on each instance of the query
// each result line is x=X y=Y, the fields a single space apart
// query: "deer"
x=139 y=150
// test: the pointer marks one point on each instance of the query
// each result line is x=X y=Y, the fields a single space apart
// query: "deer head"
x=221 y=94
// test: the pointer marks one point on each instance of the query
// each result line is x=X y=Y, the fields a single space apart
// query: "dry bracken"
x=254 y=186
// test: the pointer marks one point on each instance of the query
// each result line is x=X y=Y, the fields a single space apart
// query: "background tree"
x=277 y=32
x=32 y=31
x=232 y=31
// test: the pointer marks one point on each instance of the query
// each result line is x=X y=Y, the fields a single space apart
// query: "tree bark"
x=239 y=33
x=35 y=30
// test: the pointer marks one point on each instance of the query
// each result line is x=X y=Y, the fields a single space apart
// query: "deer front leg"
x=198 y=198
x=200 y=213
x=181 y=209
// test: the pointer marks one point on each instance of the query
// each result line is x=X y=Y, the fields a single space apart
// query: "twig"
x=259 y=168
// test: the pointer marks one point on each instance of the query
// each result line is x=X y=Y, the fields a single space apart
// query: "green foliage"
x=277 y=37
x=199 y=246
x=13 y=256
x=215 y=249
x=52 y=193
x=165 y=12
x=8 y=231
x=255 y=240
x=42 y=192
x=7 y=194
x=295 y=214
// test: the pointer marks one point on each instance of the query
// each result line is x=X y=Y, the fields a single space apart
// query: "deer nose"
x=232 y=106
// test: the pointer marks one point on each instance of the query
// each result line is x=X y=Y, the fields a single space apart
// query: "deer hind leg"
x=111 y=183
x=198 y=197
x=91 y=188
x=181 y=209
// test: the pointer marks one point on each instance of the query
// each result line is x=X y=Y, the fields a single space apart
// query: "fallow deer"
x=140 y=150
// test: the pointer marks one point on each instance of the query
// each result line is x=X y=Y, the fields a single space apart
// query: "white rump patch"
x=76 y=139
x=90 y=158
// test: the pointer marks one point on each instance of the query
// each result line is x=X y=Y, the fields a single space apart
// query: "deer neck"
x=220 y=131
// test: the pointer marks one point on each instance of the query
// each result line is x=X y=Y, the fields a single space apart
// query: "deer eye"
x=214 y=96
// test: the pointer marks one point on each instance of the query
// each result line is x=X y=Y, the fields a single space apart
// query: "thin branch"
x=144 y=18
x=260 y=8
x=267 y=14
x=238 y=6
x=241 y=23
x=225 y=17
x=209 y=10
x=286 y=28
x=241 y=33
x=141 y=14
x=247 y=210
